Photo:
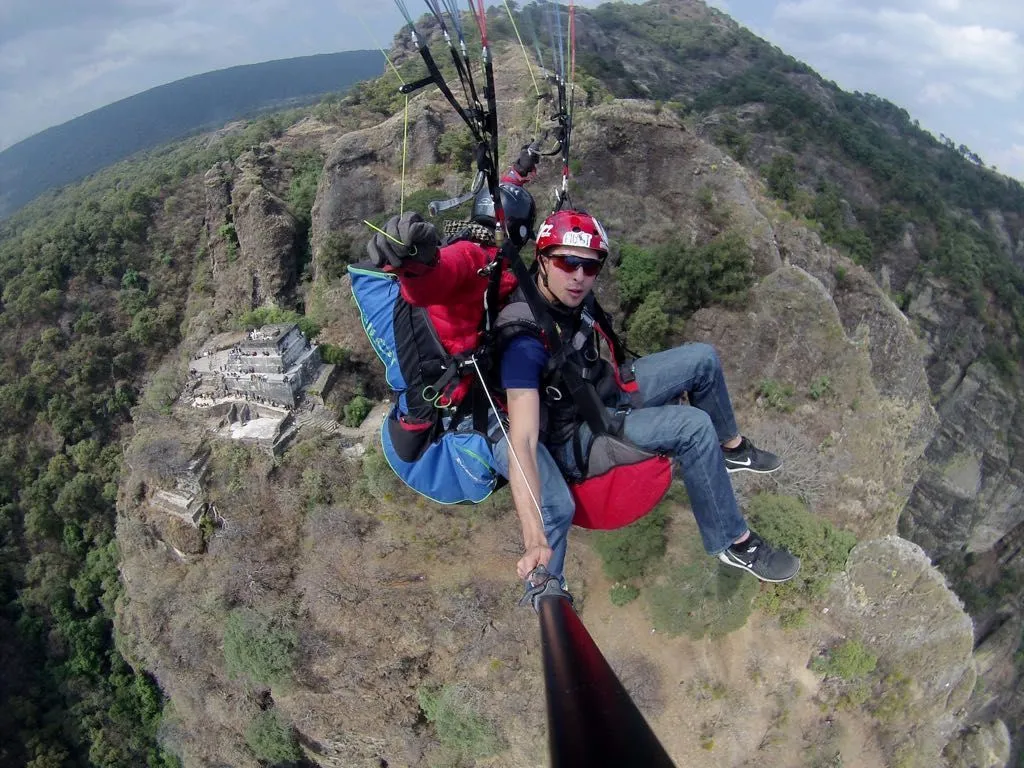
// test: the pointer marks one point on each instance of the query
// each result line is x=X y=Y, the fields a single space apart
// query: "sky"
x=956 y=65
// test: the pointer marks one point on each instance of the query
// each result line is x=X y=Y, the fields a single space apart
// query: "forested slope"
x=73 y=150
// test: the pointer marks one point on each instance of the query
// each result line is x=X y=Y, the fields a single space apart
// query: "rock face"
x=892 y=598
x=981 y=746
x=861 y=441
x=970 y=493
x=251 y=235
x=363 y=172
x=616 y=143
x=266 y=240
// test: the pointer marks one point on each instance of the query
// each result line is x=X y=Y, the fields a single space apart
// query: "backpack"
x=420 y=437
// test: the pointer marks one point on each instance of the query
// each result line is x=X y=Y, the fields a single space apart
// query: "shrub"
x=379 y=481
x=637 y=274
x=460 y=728
x=315 y=487
x=649 y=325
x=822 y=549
x=258 y=648
x=272 y=739
x=780 y=174
x=455 y=148
x=706 y=198
x=628 y=552
x=230 y=236
x=775 y=394
x=356 y=410
x=623 y=594
x=719 y=272
x=698 y=597
x=849 y=661
x=820 y=387
x=333 y=355
x=302 y=189
x=336 y=252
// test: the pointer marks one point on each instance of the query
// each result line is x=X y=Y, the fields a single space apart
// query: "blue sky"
x=956 y=65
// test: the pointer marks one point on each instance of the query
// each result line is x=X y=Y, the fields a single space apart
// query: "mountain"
x=68 y=152
x=858 y=277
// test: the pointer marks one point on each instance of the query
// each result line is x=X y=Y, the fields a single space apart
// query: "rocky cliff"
x=383 y=602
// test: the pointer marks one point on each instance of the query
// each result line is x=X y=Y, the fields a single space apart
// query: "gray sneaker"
x=746 y=457
x=760 y=558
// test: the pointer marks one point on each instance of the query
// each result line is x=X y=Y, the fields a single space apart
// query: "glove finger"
x=373 y=251
x=407 y=227
x=423 y=234
x=392 y=227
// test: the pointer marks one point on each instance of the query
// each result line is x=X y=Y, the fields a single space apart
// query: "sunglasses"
x=569 y=263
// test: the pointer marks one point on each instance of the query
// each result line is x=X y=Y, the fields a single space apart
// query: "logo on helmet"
x=579 y=239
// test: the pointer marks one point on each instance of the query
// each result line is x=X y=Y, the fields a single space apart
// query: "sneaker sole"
x=724 y=558
x=732 y=470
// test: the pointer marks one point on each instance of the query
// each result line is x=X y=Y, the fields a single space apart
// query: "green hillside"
x=68 y=152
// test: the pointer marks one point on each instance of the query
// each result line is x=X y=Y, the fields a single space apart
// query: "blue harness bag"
x=421 y=438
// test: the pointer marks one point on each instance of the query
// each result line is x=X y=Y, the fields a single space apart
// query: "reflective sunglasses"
x=569 y=263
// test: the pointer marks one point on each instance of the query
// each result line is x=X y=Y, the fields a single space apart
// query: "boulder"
x=893 y=600
x=980 y=746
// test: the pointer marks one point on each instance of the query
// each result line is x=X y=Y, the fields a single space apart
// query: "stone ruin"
x=253 y=383
x=185 y=510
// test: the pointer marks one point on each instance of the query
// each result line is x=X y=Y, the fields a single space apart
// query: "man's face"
x=571 y=272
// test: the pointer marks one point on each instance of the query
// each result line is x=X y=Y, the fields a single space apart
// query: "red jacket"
x=453 y=293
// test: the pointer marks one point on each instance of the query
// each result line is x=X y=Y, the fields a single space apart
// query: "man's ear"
x=542 y=269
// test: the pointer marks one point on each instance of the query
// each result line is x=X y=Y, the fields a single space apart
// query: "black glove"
x=528 y=158
x=417 y=241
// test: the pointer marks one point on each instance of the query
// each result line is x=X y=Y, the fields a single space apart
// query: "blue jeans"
x=691 y=434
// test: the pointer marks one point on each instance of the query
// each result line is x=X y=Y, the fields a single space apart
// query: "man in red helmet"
x=549 y=440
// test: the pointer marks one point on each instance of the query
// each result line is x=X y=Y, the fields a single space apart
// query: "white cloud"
x=910 y=41
x=941 y=93
x=1010 y=160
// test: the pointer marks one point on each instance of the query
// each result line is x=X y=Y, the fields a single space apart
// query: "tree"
x=780 y=174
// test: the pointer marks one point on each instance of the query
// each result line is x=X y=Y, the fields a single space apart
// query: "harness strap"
x=583 y=395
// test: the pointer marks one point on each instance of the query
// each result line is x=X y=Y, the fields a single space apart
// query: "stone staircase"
x=318 y=418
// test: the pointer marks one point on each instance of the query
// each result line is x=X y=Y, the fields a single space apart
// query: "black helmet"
x=519 y=208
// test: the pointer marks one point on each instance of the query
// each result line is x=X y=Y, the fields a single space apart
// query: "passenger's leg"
x=557 y=503
x=689 y=437
x=693 y=369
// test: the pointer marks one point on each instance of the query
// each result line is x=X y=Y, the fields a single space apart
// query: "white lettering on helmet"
x=579 y=239
x=545 y=230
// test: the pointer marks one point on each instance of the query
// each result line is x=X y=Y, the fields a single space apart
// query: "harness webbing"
x=583 y=395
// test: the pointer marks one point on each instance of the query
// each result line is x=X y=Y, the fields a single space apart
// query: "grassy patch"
x=627 y=553
x=464 y=733
x=623 y=594
x=785 y=522
x=356 y=410
x=273 y=740
x=700 y=597
x=775 y=395
x=849 y=661
x=259 y=648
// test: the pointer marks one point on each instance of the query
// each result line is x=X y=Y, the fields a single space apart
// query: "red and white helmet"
x=572 y=228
